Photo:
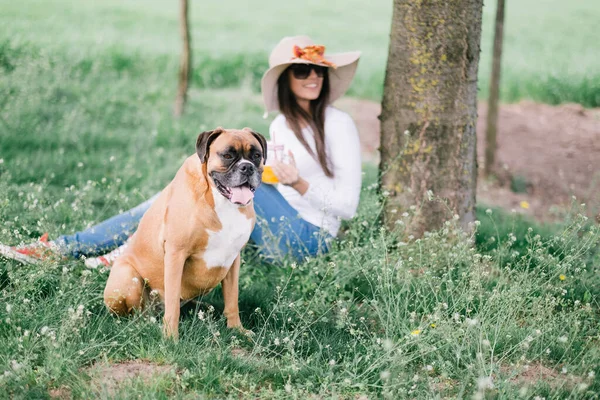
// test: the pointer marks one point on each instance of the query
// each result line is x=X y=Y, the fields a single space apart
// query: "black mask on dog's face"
x=234 y=161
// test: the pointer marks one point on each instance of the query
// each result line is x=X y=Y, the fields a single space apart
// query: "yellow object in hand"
x=268 y=176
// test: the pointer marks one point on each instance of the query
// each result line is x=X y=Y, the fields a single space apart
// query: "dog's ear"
x=261 y=139
x=203 y=143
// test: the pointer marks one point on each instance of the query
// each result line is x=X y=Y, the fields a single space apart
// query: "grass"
x=376 y=317
x=545 y=58
x=86 y=131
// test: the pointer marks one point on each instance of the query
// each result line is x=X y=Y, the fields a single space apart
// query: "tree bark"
x=492 y=117
x=430 y=92
x=185 y=62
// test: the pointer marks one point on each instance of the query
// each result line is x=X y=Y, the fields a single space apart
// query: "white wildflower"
x=563 y=339
x=388 y=344
x=485 y=382
x=15 y=365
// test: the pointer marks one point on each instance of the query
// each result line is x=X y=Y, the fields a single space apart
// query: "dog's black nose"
x=247 y=169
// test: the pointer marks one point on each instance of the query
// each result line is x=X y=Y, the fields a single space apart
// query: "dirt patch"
x=550 y=153
x=106 y=378
x=239 y=352
x=60 y=393
x=531 y=374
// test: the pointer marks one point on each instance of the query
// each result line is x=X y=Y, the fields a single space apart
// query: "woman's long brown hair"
x=294 y=114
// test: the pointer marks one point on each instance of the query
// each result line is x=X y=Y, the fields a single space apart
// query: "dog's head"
x=234 y=161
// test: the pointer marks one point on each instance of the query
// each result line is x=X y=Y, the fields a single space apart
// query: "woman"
x=319 y=183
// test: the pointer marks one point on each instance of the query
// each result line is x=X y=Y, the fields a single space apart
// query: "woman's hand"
x=287 y=174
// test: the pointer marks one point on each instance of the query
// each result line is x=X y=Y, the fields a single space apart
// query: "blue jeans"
x=279 y=230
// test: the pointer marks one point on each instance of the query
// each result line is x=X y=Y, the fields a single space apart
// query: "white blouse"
x=327 y=200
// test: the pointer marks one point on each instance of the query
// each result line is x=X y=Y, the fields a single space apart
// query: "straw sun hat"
x=302 y=50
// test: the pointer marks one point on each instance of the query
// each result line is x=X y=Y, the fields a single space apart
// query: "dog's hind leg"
x=124 y=288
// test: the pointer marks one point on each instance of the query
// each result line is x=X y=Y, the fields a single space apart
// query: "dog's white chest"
x=224 y=246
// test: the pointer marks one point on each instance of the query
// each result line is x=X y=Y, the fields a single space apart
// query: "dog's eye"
x=257 y=156
x=227 y=156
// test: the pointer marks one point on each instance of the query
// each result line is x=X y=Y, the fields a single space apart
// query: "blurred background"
x=550 y=48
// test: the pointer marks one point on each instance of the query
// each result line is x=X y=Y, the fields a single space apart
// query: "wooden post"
x=185 y=64
x=492 y=117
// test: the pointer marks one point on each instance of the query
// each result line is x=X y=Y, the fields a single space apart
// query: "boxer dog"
x=190 y=239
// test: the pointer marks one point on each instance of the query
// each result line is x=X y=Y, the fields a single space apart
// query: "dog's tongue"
x=241 y=195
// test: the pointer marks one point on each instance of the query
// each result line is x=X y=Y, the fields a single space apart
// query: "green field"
x=550 y=55
x=86 y=91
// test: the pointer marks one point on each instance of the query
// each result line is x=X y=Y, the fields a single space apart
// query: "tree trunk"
x=492 y=117
x=185 y=63
x=429 y=112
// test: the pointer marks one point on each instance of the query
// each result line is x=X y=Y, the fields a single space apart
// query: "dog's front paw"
x=170 y=332
x=246 y=332
x=235 y=323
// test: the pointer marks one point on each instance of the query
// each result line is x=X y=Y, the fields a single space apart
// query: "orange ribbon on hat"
x=314 y=53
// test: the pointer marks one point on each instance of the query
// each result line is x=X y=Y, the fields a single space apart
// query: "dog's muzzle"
x=239 y=183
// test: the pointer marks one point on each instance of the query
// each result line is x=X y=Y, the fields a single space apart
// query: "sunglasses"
x=302 y=71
